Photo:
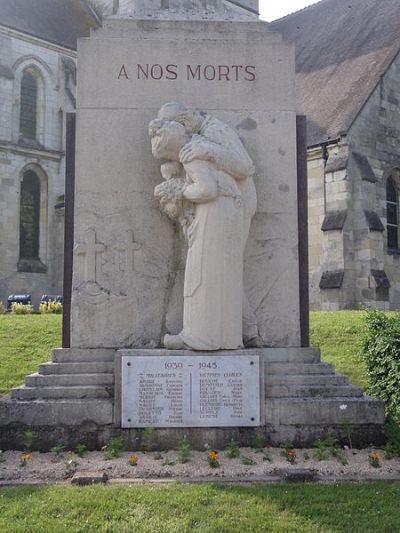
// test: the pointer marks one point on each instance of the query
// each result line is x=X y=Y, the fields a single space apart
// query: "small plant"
x=149 y=439
x=233 y=450
x=158 y=456
x=51 y=308
x=168 y=462
x=133 y=460
x=81 y=450
x=24 y=458
x=2 y=308
x=21 y=309
x=267 y=456
x=321 y=453
x=286 y=446
x=212 y=458
x=114 y=449
x=260 y=439
x=306 y=456
x=375 y=459
x=57 y=452
x=333 y=445
x=27 y=439
x=291 y=456
x=184 y=450
x=2 y=457
x=248 y=461
x=71 y=463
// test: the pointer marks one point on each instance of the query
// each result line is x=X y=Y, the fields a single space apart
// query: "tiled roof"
x=343 y=47
x=56 y=21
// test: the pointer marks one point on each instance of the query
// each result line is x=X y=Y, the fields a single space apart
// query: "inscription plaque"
x=190 y=391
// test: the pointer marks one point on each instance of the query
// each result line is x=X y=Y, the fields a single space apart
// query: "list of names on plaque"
x=190 y=391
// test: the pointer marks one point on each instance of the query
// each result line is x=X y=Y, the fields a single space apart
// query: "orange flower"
x=292 y=453
x=213 y=455
x=376 y=456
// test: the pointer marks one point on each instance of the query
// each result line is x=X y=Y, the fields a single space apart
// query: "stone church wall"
x=347 y=208
x=54 y=67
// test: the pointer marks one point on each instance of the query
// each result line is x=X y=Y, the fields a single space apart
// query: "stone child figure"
x=206 y=166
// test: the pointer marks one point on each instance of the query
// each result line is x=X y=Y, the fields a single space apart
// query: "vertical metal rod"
x=68 y=227
x=302 y=196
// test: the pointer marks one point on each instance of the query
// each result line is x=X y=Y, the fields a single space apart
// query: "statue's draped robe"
x=212 y=316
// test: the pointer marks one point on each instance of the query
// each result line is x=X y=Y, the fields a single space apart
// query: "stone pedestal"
x=73 y=399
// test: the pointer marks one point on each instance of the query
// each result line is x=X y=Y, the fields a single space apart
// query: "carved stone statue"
x=209 y=189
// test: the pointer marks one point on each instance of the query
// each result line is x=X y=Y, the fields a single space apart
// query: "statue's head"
x=167 y=139
x=191 y=119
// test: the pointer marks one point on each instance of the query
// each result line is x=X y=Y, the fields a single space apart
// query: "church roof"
x=57 y=21
x=343 y=47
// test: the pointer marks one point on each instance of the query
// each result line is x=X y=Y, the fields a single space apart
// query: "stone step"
x=324 y=411
x=287 y=391
x=76 y=368
x=293 y=380
x=71 y=392
x=63 y=413
x=290 y=355
x=299 y=368
x=54 y=380
x=82 y=355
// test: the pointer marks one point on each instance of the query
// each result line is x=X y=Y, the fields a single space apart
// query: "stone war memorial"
x=188 y=205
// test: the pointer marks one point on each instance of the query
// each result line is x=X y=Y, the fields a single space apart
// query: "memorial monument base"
x=76 y=398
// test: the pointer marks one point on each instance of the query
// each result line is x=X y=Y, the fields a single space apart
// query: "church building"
x=37 y=88
x=348 y=86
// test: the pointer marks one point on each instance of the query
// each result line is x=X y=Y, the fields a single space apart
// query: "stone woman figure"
x=213 y=289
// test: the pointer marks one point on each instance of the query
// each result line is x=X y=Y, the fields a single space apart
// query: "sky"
x=271 y=9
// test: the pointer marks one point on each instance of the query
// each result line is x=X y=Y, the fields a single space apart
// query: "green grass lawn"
x=339 y=335
x=25 y=342
x=178 y=508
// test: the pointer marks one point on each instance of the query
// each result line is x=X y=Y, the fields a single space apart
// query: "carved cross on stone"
x=127 y=249
x=90 y=248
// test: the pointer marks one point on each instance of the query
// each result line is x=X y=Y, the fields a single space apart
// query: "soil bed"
x=46 y=468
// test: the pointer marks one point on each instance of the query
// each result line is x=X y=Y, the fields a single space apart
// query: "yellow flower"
x=26 y=456
x=134 y=458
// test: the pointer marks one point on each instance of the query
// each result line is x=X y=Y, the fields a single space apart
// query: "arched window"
x=392 y=209
x=29 y=216
x=29 y=105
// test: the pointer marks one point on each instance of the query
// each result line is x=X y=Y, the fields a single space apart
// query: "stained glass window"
x=29 y=216
x=29 y=93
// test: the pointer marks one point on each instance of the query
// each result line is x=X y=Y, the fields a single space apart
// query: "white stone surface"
x=127 y=71
x=186 y=9
x=216 y=188
x=190 y=391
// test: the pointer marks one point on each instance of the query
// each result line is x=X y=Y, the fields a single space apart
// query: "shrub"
x=51 y=308
x=21 y=309
x=381 y=351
